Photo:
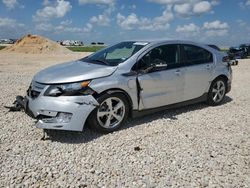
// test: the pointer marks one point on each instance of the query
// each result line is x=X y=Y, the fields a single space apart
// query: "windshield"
x=116 y=54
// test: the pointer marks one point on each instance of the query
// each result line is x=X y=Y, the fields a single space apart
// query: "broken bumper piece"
x=63 y=113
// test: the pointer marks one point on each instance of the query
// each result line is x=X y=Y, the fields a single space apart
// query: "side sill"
x=137 y=113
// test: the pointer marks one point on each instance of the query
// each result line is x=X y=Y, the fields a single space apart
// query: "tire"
x=105 y=118
x=217 y=92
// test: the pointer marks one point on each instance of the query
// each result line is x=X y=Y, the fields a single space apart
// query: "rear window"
x=197 y=55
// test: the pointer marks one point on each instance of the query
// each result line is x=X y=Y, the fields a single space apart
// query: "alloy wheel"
x=218 y=91
x=111 y=112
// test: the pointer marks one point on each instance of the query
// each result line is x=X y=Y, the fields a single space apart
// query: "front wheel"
x=217 y=92
x=111 y=114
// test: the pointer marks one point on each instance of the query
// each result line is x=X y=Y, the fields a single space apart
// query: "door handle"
x=178 y=72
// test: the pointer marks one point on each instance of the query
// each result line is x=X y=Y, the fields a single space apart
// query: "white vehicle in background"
x=7 y=41
x=78 y=43
x=72 y=43
x=67 y=43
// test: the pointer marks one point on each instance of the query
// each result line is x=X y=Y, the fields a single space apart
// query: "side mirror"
x=160 y=66
x=156 y=67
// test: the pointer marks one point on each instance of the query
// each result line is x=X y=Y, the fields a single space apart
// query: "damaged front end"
x=58 y=106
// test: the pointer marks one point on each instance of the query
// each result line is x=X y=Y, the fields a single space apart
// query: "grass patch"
x=224 y=49
x=2 y=47
x=85 y=48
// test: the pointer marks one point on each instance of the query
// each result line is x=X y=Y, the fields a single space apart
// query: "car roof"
x=159 y=41
x=153 y=42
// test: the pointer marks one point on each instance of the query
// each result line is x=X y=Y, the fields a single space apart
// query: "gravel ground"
x=193 y=146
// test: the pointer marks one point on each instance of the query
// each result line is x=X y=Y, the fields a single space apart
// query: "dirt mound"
x=34 y=44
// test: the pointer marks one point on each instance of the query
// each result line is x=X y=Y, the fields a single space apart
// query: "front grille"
x=35 y=89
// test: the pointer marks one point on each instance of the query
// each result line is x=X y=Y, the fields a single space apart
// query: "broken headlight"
x=72 y=89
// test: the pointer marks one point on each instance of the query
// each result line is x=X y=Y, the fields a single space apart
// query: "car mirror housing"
x=156 y=67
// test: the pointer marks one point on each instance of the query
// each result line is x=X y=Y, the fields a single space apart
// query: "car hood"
x=73 y=72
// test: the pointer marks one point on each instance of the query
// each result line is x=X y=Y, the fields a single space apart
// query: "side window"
x=196 y=55
x=166 y=54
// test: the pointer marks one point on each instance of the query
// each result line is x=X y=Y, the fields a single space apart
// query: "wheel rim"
x=218 y=91
x=111 y=112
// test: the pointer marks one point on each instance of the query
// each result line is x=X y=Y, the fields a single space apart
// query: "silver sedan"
x=127 y=79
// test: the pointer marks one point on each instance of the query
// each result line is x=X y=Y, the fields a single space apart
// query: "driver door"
x=160 y=87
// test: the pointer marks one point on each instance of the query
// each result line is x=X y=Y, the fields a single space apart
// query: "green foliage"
x=2 y=47
x=85 y=48
x=224 y=49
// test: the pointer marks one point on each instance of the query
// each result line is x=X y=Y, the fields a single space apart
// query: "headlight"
x=72 y=89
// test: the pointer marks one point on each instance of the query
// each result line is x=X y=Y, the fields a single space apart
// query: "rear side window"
x=196 y=55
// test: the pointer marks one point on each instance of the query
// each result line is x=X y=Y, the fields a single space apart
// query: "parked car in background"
x=236 y=53
x=71 y=43
x=7 y=41
x=78 y=43
x=127 y=79
x=98 y=43
x=67 y=43
x=246 y=48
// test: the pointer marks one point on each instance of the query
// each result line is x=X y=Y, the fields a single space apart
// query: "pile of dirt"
x=34 y=44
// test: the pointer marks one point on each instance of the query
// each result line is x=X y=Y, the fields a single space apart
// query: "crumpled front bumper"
x=47 y=109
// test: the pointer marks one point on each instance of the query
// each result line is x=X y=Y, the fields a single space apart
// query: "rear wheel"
x=217 y=92
x=111 y=114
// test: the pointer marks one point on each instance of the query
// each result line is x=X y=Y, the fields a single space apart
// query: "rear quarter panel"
x=221 y=68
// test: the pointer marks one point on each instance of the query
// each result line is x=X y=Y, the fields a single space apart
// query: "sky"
x=221 y=22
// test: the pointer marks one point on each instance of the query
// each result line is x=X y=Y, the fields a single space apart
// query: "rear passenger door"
x=199 y=66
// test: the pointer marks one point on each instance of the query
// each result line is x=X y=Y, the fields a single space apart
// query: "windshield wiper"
x=100 y=61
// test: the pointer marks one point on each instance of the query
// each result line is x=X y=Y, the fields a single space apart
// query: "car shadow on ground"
x=88 y=135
